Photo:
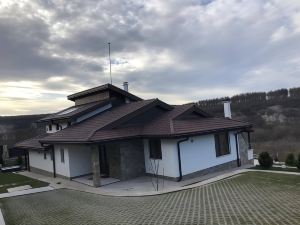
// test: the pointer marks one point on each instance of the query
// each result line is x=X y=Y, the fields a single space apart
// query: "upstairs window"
x=62 y=155
x=45 y=155
x=50 y=127
x=155 y=148
x=57 y=126
x=222 y=144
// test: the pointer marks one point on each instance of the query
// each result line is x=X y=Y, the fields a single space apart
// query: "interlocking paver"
x=251 y=198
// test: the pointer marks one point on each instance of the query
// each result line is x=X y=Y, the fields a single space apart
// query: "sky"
x=174 y=50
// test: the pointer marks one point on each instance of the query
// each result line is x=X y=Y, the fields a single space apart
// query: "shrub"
x=265 y=160
x=298 y=162
x=290 y=160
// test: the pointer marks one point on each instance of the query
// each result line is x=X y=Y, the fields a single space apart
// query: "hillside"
x=17 y=128
x=276 y=122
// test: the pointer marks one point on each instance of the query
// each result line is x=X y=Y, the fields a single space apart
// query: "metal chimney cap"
x=125 y=85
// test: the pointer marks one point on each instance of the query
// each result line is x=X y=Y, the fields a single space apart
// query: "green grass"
x=10 y=180
x=277 y=169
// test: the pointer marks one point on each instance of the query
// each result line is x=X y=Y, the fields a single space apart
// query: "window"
x=222 y=144
x=45 y=155
x=62 y=155
x=155 y=149
x=50 y=127
x=57 y=126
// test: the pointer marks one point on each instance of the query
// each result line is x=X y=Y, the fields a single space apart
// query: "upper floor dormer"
x=88 y=103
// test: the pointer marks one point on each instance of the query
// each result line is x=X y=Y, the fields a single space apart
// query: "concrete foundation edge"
x=217 y=168
x=47 y=173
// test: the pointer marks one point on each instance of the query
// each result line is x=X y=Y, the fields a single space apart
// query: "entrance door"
x=104 y=167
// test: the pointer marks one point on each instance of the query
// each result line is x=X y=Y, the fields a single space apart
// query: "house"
x=110 y=132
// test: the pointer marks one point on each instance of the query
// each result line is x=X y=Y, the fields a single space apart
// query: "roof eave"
x=166 y=136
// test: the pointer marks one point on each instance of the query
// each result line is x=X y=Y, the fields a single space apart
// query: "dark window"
x=45 y=155
x=50 y=127
x=155 y=148
x=222 y=144
x=51 y=155
x=57 y=126
x=62 y=155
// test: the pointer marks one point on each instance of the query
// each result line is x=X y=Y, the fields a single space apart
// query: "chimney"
x=125 y=85
x=227 y=108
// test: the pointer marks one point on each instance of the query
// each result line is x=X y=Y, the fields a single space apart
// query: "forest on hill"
x=17 y=128
x=275 y=116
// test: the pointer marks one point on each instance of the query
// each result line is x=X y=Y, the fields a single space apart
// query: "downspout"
x=249 y=141
x=237 y=150
x=179 y=157
x=26 y=160
x=53 y=159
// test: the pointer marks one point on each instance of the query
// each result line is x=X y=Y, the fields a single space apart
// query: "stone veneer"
x=244 y=147
x=132 y=159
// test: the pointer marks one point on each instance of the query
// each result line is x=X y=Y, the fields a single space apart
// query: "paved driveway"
x=251 y=198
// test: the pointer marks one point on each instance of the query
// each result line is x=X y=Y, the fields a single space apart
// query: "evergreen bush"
x=290 y=160
x=265 y=160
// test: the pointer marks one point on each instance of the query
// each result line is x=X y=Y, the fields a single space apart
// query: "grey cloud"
x=217 y=44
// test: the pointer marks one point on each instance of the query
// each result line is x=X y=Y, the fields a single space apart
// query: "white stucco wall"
x=77 y=160
x=62 y=168
x=197 y=153
x=37 y=160
x=80 y=160
x=168 y=165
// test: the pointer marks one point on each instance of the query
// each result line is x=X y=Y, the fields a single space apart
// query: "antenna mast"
x=109 y=63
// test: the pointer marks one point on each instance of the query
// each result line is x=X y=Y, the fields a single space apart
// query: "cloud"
x=179 y=51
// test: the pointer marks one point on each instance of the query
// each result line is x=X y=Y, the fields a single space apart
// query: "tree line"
x=253 y=97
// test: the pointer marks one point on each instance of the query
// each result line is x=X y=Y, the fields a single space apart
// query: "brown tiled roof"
x=166 y=126
x=83 y=131
x=74 y=111
x=32 y=143
x=102 y=88
x=169 y=124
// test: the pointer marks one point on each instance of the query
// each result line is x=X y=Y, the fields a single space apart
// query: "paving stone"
x=239 y=200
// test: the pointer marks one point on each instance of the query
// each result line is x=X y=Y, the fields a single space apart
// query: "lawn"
x=249 y=198
x=10 y=180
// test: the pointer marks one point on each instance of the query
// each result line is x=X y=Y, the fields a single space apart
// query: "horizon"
x=218 y=97
x=176 y=51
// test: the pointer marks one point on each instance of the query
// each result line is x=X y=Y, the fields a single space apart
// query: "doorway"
x=104 y=166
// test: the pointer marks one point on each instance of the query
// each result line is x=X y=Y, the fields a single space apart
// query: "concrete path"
x=2 y=222
x=19 y=188
x=26 y=192
x=141 y=186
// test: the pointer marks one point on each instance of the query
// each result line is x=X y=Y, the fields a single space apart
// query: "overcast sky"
x=178 y=51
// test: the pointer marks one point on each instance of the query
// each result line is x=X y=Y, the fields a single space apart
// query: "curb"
x=26 y=192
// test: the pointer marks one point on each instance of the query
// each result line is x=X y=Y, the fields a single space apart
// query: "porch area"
x=108 y=162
